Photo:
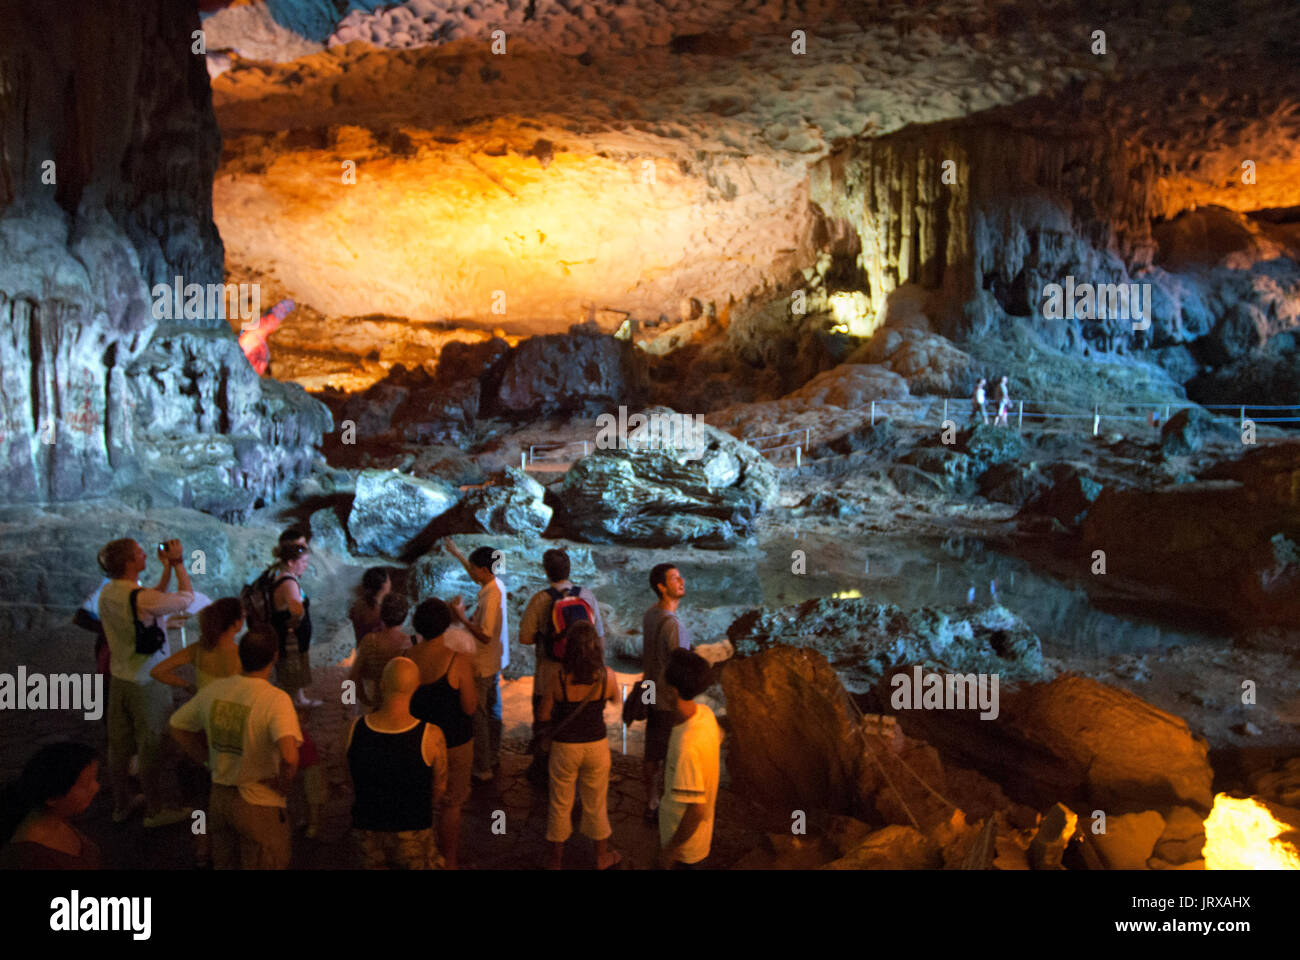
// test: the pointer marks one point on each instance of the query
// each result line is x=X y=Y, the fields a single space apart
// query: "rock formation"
x=862 y=639
x=709 y=496
x=106 y=193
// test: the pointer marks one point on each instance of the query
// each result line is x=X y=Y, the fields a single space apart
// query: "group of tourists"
x=431 y=725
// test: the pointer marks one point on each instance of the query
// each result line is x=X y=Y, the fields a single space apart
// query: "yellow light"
x=852 y=313
x=1244 y=835
x=847 y=595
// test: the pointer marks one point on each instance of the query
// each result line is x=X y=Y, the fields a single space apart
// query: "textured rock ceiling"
x=624 y=157
x=629 y=182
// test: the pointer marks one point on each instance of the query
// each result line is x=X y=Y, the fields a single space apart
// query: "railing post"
x=532 y=455
x=1243 y=418
x=1020 y=417
x=945 y=408
x=584 y=448
x=523 y=460
x=873 y=413
x=1096 y=418
x=807 y=437
x=798 y=457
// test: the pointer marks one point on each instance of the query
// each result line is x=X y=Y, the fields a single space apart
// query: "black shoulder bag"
x=148 y=640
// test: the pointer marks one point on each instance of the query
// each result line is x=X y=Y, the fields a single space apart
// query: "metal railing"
x=1136 y=411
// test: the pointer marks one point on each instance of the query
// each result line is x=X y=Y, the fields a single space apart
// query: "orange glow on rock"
x=1245 y=834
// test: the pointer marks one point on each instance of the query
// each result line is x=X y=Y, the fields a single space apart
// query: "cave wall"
x=1073 y=187
x=1025 y=208
x=108 y=146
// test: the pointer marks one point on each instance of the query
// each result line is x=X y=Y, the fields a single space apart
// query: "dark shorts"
x=658 y=728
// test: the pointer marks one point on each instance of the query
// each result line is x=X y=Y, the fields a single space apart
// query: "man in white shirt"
x=488 y=625
x=253 y=740
x=692 y=769
x=137 y=704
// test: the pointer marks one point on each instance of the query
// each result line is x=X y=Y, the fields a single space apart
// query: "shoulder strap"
x=585 y=700
x=553 y=593
x=134 y=614
x=575 y=590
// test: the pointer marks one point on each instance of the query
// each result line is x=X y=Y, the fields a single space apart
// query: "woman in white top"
x=1004 y=403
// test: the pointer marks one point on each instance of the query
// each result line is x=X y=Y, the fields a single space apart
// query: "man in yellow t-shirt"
x=692 y=768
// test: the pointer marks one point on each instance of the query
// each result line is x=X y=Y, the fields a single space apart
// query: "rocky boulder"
x=796 y=742
x=1188 y=429
x=929 y=363
x=1013 y=483
x=513 y=505
x=1066 y=495
x=850 y=386
x=1219 y=545
x=579 y=372
x=1078 y=741
x=862 y=639
x=793 y=742
x=708 y=496
x=391 y=510
x=951 y=469
x=892 y=848
x=1183 y=838
x=1129 y=839
x=990 y=445
x=449 y=464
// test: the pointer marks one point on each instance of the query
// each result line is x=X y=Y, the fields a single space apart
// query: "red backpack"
x=566 y=610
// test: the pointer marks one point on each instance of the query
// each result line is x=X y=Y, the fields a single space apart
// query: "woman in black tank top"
x=580 y=746
x=449 y=707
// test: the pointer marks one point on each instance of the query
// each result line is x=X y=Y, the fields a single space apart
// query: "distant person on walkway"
x=56 y=784
x=488 y=625
x=1004 y=404
x=661 y=633
x=575 y=697
x=977 y=404
x=694 y=761
x=399 y=772
x=291 y=621
x=216 y=655
x=448 y=697
x=364 y=612
x=253 y=738
x=379 y=647
x=137 y=704
x=537 y=626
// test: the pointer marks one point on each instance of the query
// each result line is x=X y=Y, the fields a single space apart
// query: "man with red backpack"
x=548 y=614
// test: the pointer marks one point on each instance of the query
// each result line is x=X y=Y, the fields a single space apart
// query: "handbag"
x=634 y=707
x=148 y=640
